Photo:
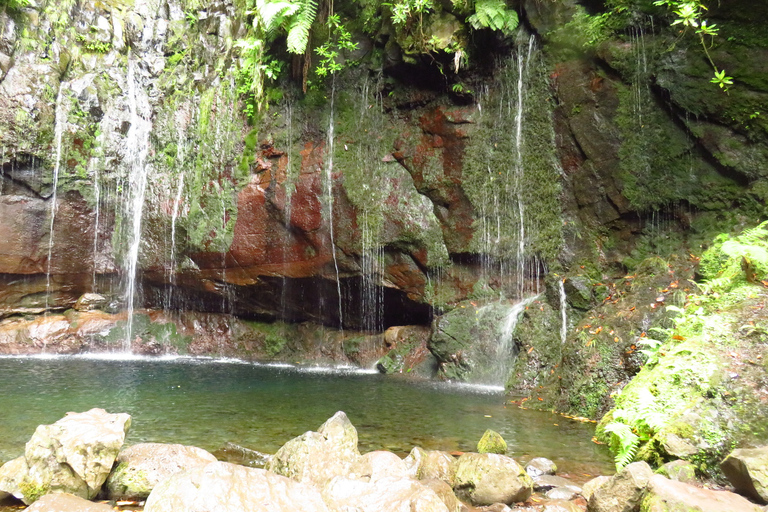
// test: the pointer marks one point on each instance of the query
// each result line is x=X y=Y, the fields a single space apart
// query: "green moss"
x=33 y=491
x=492 y=442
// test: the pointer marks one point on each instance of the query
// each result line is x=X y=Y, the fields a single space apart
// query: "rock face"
x=747 y=470
x=485 y=479
x=74 y=455
x=318 y=457
x=225 y=487
x=141 y=467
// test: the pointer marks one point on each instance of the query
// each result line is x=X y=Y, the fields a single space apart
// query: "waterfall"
x=137 y=149
x=505 y=348
x=61 y=122
x=563 y=312
x=329 y=198
x=97 y=200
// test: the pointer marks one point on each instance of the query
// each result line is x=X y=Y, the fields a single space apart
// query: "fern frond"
x=624 y=442
x=271 y=14
x=298 y=29
x=495 y=15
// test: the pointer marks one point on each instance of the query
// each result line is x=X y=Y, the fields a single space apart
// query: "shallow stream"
x=207 y=403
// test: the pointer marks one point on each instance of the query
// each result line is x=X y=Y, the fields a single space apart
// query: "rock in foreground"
x=74 y=455
x=488 y=478
x=747 y=470
x=224 y=487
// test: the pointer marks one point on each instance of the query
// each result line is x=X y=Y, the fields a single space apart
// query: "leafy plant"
x=735 y=260
x=689 y=14
x=339 y=40
x=13 y=4
x=493 y=14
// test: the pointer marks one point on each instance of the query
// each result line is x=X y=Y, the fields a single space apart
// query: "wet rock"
x=624 y=491
x=747 y=470
x=225 y=487
x=318 y=457
x=679 y=470
x=237 y=454
x=561 y=493
x=68 y=503
x=141 y=467
x=578 y=291
x=540 y=466
x=547 y=482
x=74 y=455
x=431 y=464
x=383 y=495
x=492 y=442
x=664 y=495
x=89 y=301
x=488 y=478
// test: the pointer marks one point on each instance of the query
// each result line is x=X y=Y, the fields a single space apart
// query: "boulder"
x=561 y=506
x=679 y=470
x=241 y=455
x=67 y=502
x=225 y=487
x=547 y=482
x=540 y=466
x=664 y=495
x=384 y=495
x=423 y=464
x=488 y=478
x=318 y=457
x=496 y=507
x=591 y=486
x=624 y=491
x=560 y=494
x=747 y=470
x=142 y=466
x=74 y=455
x=492 y=442
x=444 y=492
x=376 y=465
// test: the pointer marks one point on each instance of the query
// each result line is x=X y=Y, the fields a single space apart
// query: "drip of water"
x=563 y=312
x=97 y=199
x=329 y=198
x=60 y=126
x=137 y=149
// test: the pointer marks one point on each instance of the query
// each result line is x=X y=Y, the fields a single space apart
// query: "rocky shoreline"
x=79 y=464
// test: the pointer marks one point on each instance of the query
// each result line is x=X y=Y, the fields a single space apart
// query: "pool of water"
x=207 y=403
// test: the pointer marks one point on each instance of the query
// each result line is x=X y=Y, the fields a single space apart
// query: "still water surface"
x=207 y=403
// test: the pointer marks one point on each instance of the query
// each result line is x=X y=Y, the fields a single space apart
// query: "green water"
x=206 y=403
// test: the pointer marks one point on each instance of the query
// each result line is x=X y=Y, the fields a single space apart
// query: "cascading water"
x=60 y=126
x=137 y=149
x=563 y=312
x=505 y=347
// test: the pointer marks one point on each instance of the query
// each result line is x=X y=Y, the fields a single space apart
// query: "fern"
x=495 y=15
x=298 y=28
x=624 y=443
x=734 y=260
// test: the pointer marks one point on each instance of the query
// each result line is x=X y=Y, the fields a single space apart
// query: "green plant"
x=735 y=260
x=493 y=14
x=13 y=4
x=689 y=14
x=339 y=39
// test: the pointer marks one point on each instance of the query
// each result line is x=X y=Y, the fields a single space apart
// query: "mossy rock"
x=492 y=442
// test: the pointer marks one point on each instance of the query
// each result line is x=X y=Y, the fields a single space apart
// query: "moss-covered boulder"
x=492 y=442
x=488 y=478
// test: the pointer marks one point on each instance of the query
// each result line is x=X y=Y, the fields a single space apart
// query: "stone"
x=747 y=470
x=241 y=455
x=318 y=457
x=226 y=487
x=488 y=478
x=679 y=470
x=379 y=464
x=74 y=455
x=89 y=301
x=426 y=464
x=492 y=442
x=591 y=486
x=664 y=495
x=384 y=495
x=444 y=492
x=540 y=466
x=559 y=505
x=496 y=507
x=560 y=493
x=139 y=468
x=547 y=482
x=67 y=502
x=624 y=491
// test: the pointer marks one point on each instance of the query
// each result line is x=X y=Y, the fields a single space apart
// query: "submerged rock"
x=74 y=455
x=141 y=467
x=488 y=478
x=224 y=487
